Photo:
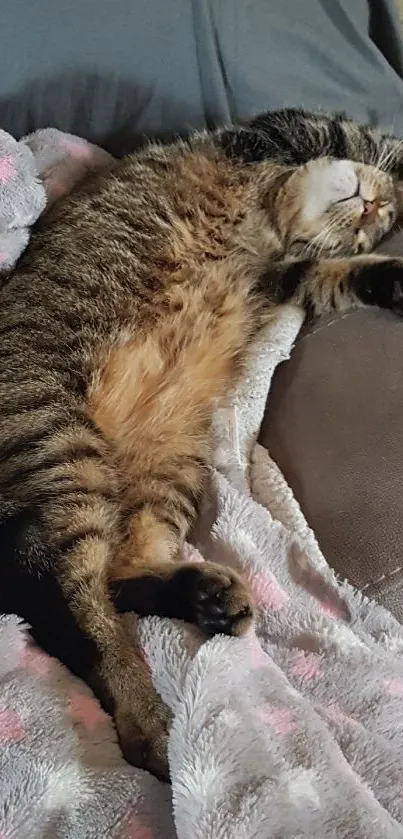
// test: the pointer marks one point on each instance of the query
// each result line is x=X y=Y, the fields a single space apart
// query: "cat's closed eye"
x=345 y=198
x=300 y=241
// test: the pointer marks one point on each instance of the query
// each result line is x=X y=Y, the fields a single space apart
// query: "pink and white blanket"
x=293 y=731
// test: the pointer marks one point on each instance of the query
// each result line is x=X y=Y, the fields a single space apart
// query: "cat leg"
x=214 y=598
x=324 y=285
x=58 y=536
x=83 y=630
x=117 y=674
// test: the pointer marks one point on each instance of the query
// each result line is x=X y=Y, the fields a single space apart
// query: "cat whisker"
x=384 y=152
x=322 y=240
x=388 y=157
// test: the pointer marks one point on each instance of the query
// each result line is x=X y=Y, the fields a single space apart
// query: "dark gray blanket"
x=109 y=70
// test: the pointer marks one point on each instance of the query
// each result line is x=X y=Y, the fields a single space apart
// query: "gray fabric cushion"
x=113 y=69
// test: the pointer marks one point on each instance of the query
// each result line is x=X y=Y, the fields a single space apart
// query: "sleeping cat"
x=131 y=312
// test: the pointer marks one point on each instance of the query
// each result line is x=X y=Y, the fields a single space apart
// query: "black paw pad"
x=218 y=601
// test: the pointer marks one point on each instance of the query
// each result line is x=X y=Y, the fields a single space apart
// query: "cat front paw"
x=381 y=284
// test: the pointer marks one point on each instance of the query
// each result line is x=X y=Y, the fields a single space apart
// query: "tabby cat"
x=131 y=312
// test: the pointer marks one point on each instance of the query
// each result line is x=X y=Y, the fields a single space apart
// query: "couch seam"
x=326 y=325
x=382 y=578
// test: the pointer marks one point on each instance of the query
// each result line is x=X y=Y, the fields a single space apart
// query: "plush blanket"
x=293 y=731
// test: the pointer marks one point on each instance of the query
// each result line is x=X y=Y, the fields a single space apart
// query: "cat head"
x=335 y=207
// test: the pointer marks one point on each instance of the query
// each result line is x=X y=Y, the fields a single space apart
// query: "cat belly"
x=153 y=401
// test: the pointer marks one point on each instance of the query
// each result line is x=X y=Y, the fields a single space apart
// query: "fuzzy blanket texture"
x=295 y=730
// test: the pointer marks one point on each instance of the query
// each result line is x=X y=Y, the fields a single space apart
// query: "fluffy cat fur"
x=131 y=312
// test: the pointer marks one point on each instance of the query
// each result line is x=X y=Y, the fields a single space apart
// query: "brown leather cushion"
x=334 y=425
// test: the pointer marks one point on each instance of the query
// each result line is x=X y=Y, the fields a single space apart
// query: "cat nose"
x=370 y=208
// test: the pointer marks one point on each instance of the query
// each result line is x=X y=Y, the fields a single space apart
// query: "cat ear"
x=327 y=182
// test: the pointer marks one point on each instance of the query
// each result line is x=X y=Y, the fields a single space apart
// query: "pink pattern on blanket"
x=86 y=710
x=335 y=712
x=280 y=719
x=7 y=169
x=332 y=609
x=306 y=666
x=135 y=829
x=3 y=258
x=268 y=593
x=11 y=727
x=395 y=687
